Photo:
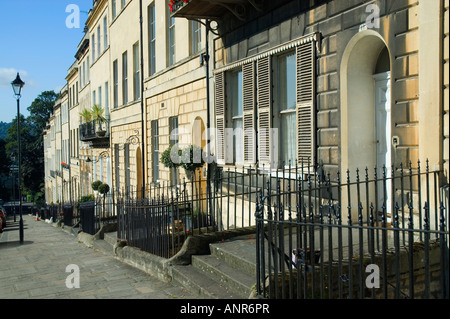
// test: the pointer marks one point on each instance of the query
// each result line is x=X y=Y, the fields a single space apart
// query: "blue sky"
x=35 y=41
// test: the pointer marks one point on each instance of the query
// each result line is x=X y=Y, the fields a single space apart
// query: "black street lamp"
x=17 y=86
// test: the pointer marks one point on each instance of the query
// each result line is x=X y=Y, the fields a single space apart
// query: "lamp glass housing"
x=17 y=85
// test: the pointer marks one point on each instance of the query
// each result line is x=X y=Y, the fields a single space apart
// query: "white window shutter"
x=264 y=99
x=248 y=79
x=306 y=101
x=220 y=116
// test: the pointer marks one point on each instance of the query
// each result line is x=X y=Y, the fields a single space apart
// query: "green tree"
x=32 y=143
x=25 y=142
x=40 y=110
x=3 y=128
x=4 y=159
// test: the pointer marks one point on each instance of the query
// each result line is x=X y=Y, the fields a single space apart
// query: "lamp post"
x=17 y=86
x=13 y=172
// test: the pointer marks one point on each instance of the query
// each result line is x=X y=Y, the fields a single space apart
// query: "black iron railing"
x=175 y=212
x=161 y=220
x=153 y=226
x=380 y=237
x=93 y=215
x=92 y=131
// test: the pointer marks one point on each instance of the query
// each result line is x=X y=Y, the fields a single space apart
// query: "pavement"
x=53 y=264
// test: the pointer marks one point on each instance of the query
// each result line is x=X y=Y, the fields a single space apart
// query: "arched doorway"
x=199 y=139
x=198 y=132
x=366 y=108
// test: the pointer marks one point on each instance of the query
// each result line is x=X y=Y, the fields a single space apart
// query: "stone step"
x=76 y=230
x=103 y=246
x=240 y=254
x=106 y=245
x=111 y=238
x=232 y=279
x=196 y=282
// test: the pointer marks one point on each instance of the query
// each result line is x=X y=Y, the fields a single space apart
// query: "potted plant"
x=97 y=115
x=83 y=199
x=103 y=189
x=95 y=185
x=86 y=118
x=192 y=157
x=170 y=158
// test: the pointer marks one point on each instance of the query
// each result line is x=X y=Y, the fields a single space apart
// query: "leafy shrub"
x=103 y=188
x=84 y=199
x=166 y=158
x=87 y=198
x=96 y=184
x=192 y=158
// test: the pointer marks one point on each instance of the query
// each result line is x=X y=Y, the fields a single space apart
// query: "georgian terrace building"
x=144 y=69
x=341 y=84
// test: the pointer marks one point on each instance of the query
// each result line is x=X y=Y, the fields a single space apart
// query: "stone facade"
x=354 y=40
x=188 y=103
x=110 y=49
x=351 y=40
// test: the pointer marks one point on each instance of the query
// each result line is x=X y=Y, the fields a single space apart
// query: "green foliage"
x=25 y=135
x=192 y=158
x=103 y=188
x=96 y=184
x=39 y=198
x=84 y=199
x=39 y=202
x=5 y=159
x=32 y=142
x=40 y=110
x=86 y=115
x=4 y=129
x=87 y=198
x=97 y=114
x=166 y=157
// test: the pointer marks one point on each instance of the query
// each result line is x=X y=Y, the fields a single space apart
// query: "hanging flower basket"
x=65 y=165
x=174 y=5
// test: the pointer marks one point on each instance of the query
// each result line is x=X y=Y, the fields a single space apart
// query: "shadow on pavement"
x=13 y=228
x=15 y=243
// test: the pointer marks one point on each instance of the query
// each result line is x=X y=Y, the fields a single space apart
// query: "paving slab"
x=36 y=268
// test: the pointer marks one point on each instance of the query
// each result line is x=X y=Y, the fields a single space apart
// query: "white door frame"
x=383 y=137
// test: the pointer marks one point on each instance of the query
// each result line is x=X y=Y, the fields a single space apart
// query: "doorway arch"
x=366 y=125
x=198 y=133
x=365 y=55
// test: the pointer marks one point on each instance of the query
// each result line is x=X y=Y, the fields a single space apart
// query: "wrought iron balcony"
x=94 y=132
